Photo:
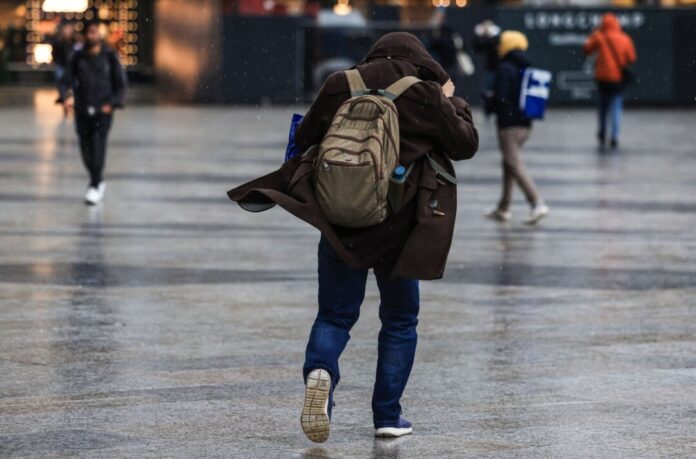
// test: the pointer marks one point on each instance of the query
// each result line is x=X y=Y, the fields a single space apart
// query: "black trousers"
x=93 y=132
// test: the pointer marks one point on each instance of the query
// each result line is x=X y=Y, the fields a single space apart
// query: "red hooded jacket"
x=607 y=69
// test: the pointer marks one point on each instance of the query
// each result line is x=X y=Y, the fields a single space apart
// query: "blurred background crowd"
x=221 y=51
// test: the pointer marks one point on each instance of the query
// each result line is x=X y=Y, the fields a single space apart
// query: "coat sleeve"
x=457 y=135
x=118 y=82
x=67 y=80
x=591 y=44
x=630 y=51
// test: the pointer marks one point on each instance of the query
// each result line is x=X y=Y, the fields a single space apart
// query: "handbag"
x=628 y=76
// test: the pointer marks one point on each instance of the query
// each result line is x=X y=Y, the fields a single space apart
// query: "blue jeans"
x=341 y=292
x=610 y=102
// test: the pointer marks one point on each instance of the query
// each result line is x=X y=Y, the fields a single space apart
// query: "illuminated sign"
x=578 y=20
x=64 y=6
x=43 y=53
x=120 y=17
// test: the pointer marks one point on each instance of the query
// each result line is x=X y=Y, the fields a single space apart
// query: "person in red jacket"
x=615 y=51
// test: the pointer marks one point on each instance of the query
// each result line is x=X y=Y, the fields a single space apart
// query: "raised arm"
x=457 y=136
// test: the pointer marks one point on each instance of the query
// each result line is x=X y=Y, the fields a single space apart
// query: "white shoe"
x=101 y=188
x=92 y=196
x=315 y=418
x=538 y=212
x=403 y=427
x=499 y=215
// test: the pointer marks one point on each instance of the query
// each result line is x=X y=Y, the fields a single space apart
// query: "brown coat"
x=415 y=242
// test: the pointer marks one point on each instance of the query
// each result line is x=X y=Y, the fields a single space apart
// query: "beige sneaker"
x=499 y=215
x=315 y=418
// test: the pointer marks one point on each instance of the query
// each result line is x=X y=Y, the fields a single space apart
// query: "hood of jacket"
x=407 y=47
x=610 y=23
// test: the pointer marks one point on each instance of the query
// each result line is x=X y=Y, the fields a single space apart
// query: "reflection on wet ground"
x=510 y=274
x=167 y=322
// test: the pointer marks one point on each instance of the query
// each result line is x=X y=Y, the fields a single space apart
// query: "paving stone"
x=167 y=322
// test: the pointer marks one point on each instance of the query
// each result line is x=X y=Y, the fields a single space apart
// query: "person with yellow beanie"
x=513 y=126
x=511 y=40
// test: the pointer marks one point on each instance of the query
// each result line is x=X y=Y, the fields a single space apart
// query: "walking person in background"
x=485 y=42
x=513 y=126
x=615 y=53
x=63 y=49
x=95 y=86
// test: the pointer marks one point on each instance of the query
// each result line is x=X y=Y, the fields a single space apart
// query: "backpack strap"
x=355 y=82
x=358 y=88
x=398 y=88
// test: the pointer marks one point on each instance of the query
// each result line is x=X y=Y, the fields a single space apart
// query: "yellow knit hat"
x=511 y=40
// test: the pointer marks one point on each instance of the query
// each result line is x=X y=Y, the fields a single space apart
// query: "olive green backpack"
x=358 y=154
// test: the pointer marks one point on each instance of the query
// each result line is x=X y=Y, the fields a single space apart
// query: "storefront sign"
x=556 y=37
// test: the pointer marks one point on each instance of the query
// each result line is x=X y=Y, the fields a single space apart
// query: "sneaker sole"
x=315 y=416
x=392 y=432
x=497 y=219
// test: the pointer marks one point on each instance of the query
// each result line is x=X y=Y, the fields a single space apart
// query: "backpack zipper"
x=378 y=171
x=327 y=163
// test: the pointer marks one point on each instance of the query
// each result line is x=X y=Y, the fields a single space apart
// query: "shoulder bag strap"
x=439 y=170
x=613 y=52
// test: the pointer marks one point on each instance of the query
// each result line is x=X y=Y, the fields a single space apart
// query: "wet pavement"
x=167 y=322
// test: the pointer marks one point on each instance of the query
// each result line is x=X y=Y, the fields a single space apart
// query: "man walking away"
x=615 y=52
x=513 y=127
x=96 y=85
x=412 y=243
x=485 y=42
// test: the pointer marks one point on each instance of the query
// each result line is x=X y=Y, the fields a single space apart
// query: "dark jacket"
x=415 y=242
x=506 y=98
x=488 y=47
x=95 y=80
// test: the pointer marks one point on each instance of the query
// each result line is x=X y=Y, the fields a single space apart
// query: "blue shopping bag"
x=291 y=151
x=534 y=94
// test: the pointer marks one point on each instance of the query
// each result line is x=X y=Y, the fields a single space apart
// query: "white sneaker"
x=92 y=196
x=403 y=427
x=499 y=215
x=538 y=212
x=101 y=188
